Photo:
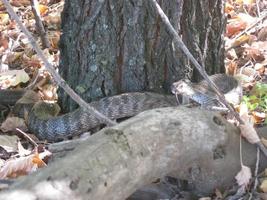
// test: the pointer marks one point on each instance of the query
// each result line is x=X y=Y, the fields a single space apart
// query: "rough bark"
x=201 y=148
x=203 y=27
x=120 y=46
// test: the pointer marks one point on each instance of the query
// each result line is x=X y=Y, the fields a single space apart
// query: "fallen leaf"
x=43 y=9
x=18 y=3
x=263 y=185
x=259 y=68
x=18 y=167
x=22 y=151
x=4 y=18
x=11 y=123
x=259 y=117
x=23 y=165
x=243 y=176
x=235 y=27
x=247 y=129
x=241 y=40
x=262 y=35
x=13 y=78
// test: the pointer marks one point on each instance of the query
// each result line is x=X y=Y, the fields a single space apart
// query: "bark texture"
x=202 y=28
x=120 y=46
x=201 y=148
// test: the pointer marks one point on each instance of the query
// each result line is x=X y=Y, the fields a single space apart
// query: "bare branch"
x=39 y=25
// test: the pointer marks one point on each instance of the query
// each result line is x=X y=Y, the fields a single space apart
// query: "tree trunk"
x=120 y=46
x=202 y=27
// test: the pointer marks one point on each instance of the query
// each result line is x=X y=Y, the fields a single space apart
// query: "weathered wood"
x=200 y=147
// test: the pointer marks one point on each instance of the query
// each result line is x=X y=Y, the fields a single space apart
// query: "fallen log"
x=192 y=144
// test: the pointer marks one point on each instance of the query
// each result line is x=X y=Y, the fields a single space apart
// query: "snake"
x=54 y=128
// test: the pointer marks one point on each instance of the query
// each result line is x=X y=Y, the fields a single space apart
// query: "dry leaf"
x=235 y=27
x=23 y=165
x=259 y=117
x=9 y=142
x=241 y=40
x=254 y=53
x=262 y=35
x=249 y=132
x=13 y=78
x=263 y=185
x=243 y=176
x=247 y=129
x=4 y=18
x=18 y=3
x=228 y=8
x=18 y=167
x=11 y=123
x=22 y=151
x=259 y=68
x=231 y=68
x=43 y=9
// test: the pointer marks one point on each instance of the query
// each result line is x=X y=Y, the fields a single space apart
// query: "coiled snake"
x=121 y=106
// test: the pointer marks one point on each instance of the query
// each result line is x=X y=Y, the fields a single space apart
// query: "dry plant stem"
x=39 y=25
x=180 y=45
x=26 y=135
x=58 y=79
x=256 y=170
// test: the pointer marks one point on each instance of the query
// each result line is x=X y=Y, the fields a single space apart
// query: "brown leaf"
x=11 y=123
x=18 y=3
x=243 y=176
x=259 y=117
x=4 y=18
x=263 y=185
x=262 y=35
x=43 y=9
x=18 y=167
x=241 y=40
x=247 y=129
x=13 y=78
x=259 y=68
x=235 y=27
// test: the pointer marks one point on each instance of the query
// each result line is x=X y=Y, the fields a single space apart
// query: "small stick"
x=39 y=25
x=29 y=138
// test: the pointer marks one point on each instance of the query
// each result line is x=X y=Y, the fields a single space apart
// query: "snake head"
x=182 y=87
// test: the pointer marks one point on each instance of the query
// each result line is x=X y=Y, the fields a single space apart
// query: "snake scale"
x=121 y=106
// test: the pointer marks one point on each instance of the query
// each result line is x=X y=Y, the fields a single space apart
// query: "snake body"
x=79 y=121
x=121 y=106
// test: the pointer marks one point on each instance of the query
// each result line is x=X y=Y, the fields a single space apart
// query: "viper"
x=52 y=128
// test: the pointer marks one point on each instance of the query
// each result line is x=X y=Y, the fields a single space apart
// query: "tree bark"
x=203 y=27
x=120 y=46
x=201 y=148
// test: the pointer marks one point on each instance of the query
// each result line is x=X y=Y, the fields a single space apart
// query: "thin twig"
x=27 y=136
x=58 y=79
x=39 y=25
x=256 y=169
x=180 y=45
